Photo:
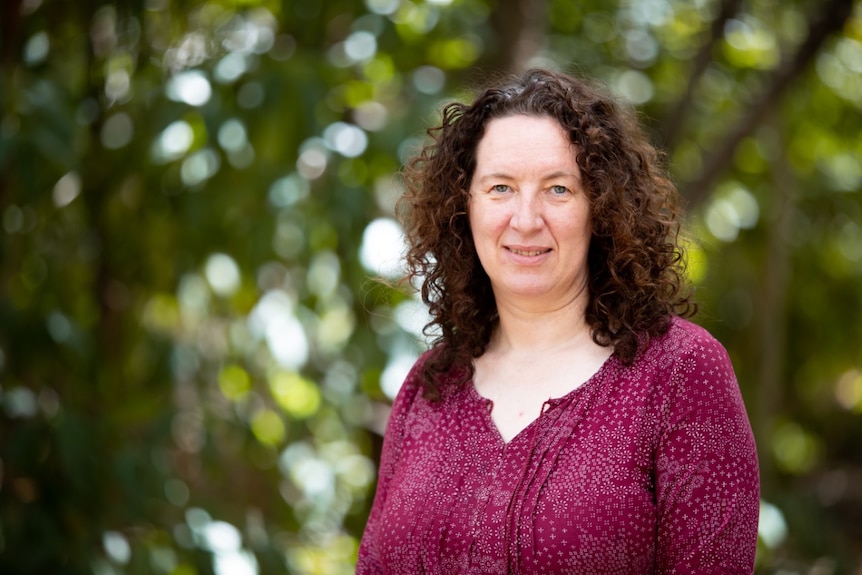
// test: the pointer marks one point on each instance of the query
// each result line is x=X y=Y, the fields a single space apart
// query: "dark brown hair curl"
x=635 y=260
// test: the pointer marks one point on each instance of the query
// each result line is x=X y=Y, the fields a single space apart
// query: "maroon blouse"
x=647 y=468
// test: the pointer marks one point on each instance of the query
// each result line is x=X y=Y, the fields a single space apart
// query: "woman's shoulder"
x=413 y=407
x=413 y=381
x=685 y=368
x=413 y=386
x=684 y=337
x=445 y=378
x=684 y=346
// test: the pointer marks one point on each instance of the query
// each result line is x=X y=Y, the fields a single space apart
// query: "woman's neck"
x=527 y=330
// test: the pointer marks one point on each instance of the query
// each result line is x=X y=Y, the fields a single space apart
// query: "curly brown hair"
x=636 y=265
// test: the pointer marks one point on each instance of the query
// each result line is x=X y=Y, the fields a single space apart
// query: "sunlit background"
x=200 y=331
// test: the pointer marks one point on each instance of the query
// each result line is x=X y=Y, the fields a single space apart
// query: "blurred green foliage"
x=196 y=197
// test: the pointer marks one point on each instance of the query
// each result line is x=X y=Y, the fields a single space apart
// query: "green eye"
x=500 y=188
x=560 y=190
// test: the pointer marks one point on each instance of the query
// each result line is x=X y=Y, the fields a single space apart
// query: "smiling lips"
x=533 y=252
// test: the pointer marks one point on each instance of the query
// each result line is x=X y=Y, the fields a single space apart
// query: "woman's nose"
x=527 y=213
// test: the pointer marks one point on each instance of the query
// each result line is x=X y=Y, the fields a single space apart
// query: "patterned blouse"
x=646 y=468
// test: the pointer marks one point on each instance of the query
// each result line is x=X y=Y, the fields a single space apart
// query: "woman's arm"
x=707 y=482
x=368 y=562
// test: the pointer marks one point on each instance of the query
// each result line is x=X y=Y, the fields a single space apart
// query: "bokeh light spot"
x=370 y=116
x=429 y=79
x=771 y=526
x=298 y=396
x=223 y=274
x=174 y=141
x=20 y=402
x=395 y=372
x=848 y=391
x=117 y=131
x=273 y=319
x=696 y=262
x=177 y=492
x=199 y=167
x=191 y=87
x=288 y=190
x=635 y=86
x=36 y=48
x=117 y=547
x=323 y=274
x=234 y=382
x=59 y=327
x=230 y=68
x=346 y=139
x=412 y=316
x=66 y=189
x=336 y=325
x=232 y=135
x=313 y=159
x=794 y=448
x=360 y=46
x=732 y=209
x=220 y=537
x=383 y=247
x=455 y=53
x=383 y=6
x=268 y=427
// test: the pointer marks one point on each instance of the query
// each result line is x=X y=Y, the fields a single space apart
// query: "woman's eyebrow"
x=562 y=174
x=551 y=176
x=496 y=176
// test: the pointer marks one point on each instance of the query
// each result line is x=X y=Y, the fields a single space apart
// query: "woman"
x=567 y=418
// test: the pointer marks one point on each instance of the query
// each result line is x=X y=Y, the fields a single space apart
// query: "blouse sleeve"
x=368 y=562
x=707 y=481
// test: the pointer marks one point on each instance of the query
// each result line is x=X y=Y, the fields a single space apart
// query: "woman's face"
x=529 y=214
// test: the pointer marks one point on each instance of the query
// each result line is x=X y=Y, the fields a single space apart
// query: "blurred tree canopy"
x=196 y=197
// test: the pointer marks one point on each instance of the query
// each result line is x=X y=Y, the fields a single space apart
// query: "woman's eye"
x=500 y=188
x=559 y=190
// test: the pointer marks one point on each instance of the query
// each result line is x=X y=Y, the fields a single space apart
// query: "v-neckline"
x=550 y=403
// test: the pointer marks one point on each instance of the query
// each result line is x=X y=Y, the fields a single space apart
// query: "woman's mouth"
x=528 y=252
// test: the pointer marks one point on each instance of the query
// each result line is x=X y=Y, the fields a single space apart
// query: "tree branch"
x=834 y=15
x=676 y=115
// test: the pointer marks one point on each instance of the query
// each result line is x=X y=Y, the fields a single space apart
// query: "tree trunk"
x=520 y=29
x=773 y=317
